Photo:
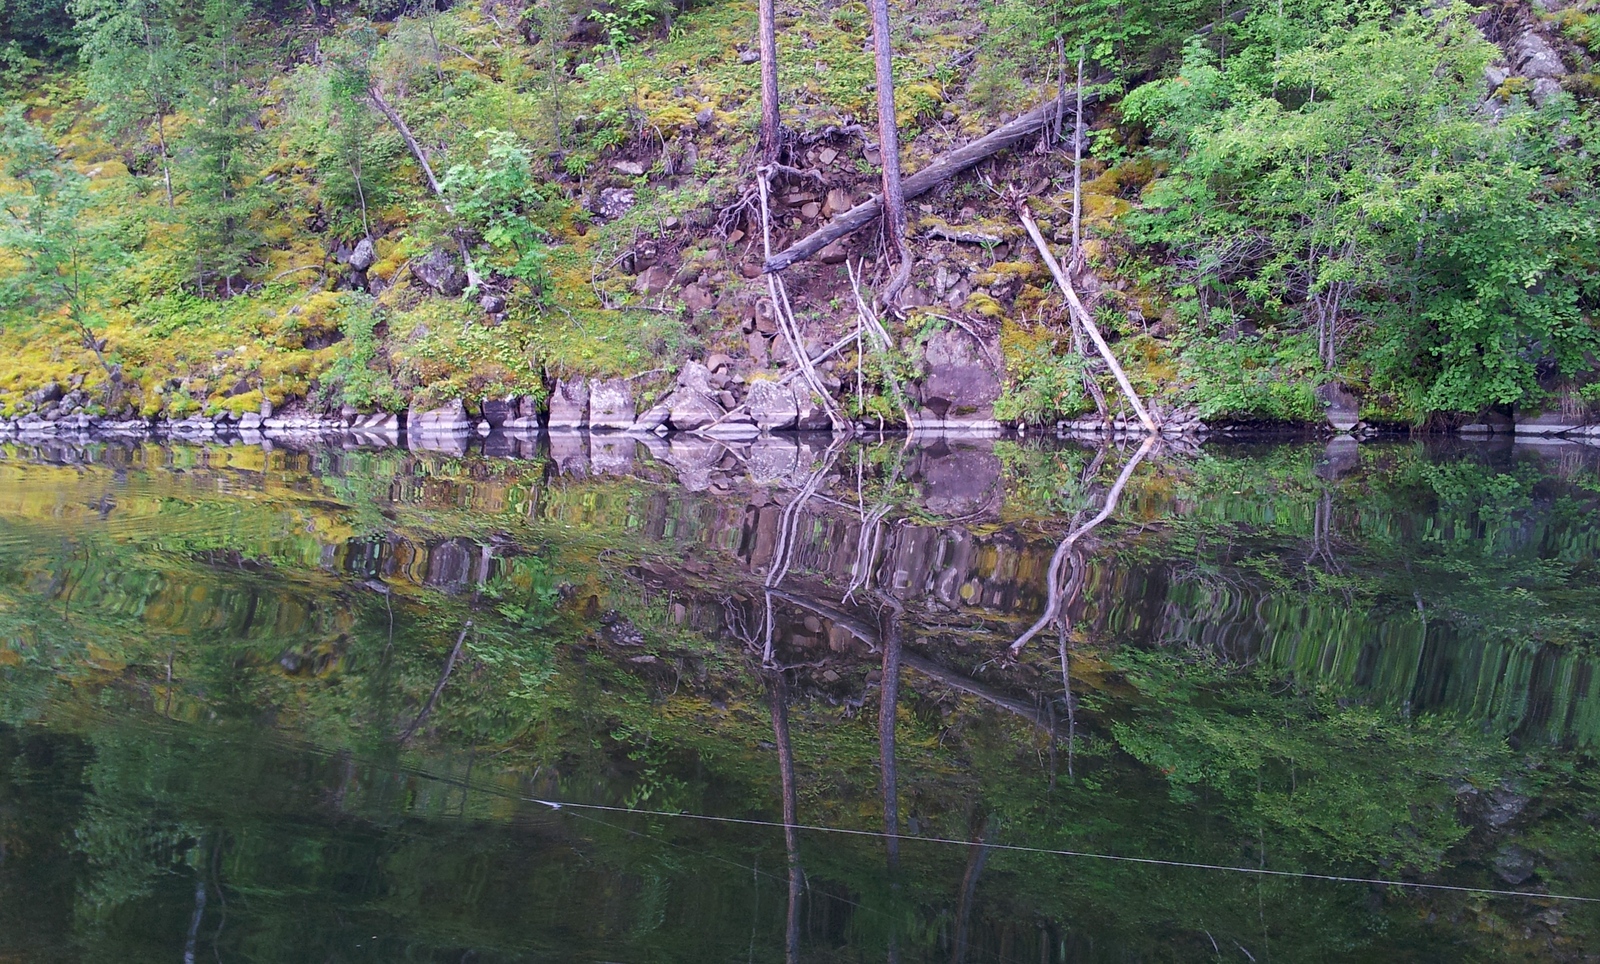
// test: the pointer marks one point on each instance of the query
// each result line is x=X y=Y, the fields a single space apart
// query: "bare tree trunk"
x=166 y=159
x=888 y=705
x=1057 y=592
x=1077 y=175
x=444 y=677
x=894 y=200
x=770 y=132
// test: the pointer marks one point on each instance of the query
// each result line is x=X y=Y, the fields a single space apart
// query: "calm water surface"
x=314 y=705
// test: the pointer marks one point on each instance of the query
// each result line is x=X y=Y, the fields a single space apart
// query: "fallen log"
x=939 y=170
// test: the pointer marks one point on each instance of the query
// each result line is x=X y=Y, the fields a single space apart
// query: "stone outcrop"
x=439 y=271
x=569 y=404
x=448 y=419
x=772 y=406
x=962 y=383
x=611 y=404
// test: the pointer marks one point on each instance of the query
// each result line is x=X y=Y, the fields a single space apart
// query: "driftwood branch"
x=939 y=170
x=1085 y=318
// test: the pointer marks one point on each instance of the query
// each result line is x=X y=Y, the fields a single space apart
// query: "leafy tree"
x=1353 y=189
x=222 y=201
x=64 y=255
x=135 y=64
x=499 y=198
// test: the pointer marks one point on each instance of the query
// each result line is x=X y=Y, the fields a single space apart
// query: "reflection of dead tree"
x=976 y=858
x=788 y=525
x=1057 y=591
x=972 y=687
x=888 y=705
x=444 y=677
x=778 y=697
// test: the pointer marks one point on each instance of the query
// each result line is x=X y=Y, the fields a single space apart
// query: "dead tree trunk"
x=1087 y=320
x=894 y=200
x=768 y=40
x=941 y=169
x=399 y=123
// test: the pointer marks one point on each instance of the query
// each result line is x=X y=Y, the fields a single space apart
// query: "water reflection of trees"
x=1216 y=717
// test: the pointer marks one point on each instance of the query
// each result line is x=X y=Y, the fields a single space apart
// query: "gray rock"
x=1504 y=806
x=364 y=256
x=380 y=423
x=696 y=377
x=440 y=272
x=492 y=304
x=691 y=409
x=250 y=421
x=696 y=298
x=1544 y=88
x=1513 y=864
x=652 y=419
x=50 y=393
x=498 y=411
x=611 y=404
x=1342 y=406
x=812 y=415
x=772 y=406
x=612 y=203
x=735 y=428
x=629 y=168
x=569 y=404
x=1534 y=57
x=653 y=280
x=963 y=378
x=1548 y=423
x=448 y=419
x=749 y=56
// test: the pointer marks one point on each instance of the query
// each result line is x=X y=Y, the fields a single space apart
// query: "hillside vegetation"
x=212 y=205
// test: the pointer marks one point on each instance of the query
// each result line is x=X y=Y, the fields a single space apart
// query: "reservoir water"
x=603 y=699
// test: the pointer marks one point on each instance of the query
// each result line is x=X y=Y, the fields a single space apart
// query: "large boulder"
x=448 y=419
x=690 y=409
x=440 y=272
x=364 y=256
x=772 y=406
x=611 y=404
x=569 y=404
x=1341 y=404
x=963 y=379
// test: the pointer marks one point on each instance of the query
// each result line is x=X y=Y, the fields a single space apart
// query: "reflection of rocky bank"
x=708 y=524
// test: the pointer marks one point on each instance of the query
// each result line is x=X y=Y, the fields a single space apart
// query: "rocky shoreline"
x=708 y=400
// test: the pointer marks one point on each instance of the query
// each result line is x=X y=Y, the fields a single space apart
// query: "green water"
x=312 y=705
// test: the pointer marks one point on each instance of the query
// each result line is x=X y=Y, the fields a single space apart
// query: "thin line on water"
x=1090 y=855
x=557 y=805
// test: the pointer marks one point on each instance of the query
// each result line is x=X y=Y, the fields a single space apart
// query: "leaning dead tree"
x=939 y=170
x=1084 y=318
